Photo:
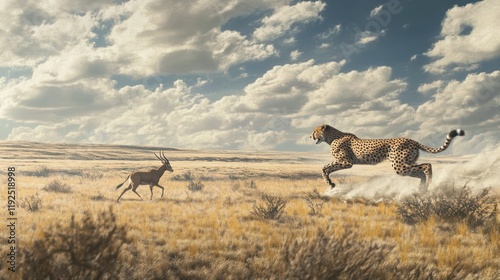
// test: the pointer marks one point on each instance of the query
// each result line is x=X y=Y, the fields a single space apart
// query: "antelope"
x=150 y=178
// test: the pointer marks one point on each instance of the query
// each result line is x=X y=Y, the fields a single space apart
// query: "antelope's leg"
x=124 y=191
x=151 y=189
x=134 y=190
x=162 y=189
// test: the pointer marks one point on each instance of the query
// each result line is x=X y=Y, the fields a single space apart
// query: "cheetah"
x=347 y=149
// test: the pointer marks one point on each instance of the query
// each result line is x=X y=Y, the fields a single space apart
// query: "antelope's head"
x=165 y=161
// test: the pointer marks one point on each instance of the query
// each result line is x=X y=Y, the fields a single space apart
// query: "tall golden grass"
x=212 y=233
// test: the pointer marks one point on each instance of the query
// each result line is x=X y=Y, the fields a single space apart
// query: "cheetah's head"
x=318 y=133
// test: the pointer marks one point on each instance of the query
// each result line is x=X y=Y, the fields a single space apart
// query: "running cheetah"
x=347 y=149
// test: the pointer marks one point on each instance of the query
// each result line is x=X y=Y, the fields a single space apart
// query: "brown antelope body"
x=150 y=178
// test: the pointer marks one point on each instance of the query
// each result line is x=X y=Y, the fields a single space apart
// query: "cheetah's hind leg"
x=422 y=171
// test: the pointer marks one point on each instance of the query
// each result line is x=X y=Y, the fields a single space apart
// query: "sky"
x=253 y=75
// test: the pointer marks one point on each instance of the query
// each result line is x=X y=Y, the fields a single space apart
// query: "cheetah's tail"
x=447 y=142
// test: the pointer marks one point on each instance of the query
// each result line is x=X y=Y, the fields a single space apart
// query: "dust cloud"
x=477 y=172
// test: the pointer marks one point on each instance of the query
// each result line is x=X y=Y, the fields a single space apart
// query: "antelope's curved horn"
x=163 y=155
x=158 y=157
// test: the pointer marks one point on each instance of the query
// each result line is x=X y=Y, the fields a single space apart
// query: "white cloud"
x=331 y=32
x=282 y=20
x=281 y=89
x=32 y=31
x=365 y=103
x=324 y=46
x=376 y=11
x=145 y=37
x=430 y=88
x=294 y=55
x=69 y=93
x=281 y=106
x=186 y=37
x=472 y=104
x=459 y=49
x=366 y=37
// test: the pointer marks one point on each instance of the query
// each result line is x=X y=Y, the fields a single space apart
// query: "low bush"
x=42 y=171
x=315 y=202
x=32 y=203
x=326 y=257
x=86 y=248
x=98 y=197
x=347 y=257
x=56 y=186
x=185 y=176
x=195 y=186
x=272 y=207
x=456 y=205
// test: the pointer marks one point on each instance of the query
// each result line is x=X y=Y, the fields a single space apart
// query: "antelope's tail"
x=447 y=142
x=119 y=186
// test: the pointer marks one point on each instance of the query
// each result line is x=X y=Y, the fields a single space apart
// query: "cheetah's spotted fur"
x=347 y=149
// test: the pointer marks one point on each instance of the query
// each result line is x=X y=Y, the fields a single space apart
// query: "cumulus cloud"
x=366 y=37
x=73 y=88
x=331 y=32
x=141 y=37
x=376 y=11
x=469 y=35
x=472 y=104
x=32 y=31
x=174 y=117
x=282 y=20
x=294 y=55
x=430 y=88
x=279 y=107
x=186 y=37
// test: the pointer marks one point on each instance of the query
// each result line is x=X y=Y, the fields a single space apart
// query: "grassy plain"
x=212 y=233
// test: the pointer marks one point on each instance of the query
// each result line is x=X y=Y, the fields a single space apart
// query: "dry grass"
x=211 y=233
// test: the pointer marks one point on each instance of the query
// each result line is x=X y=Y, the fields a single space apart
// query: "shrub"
x=326 y=257
x=87 y=248
x=272 y=207
x=42 y=171
x=315 y=202
x=252 y=184
x=347 y=257
x=98 y=197
x=32 y=203
x=92 y=175
x=456 y=206
x=56 y=186
x=186 y=176
x=416 y=209
x=195 y=186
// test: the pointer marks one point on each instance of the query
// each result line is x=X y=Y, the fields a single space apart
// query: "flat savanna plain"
x=213 y=234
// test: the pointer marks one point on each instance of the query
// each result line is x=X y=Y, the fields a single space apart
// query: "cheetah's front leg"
x=334 y=166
